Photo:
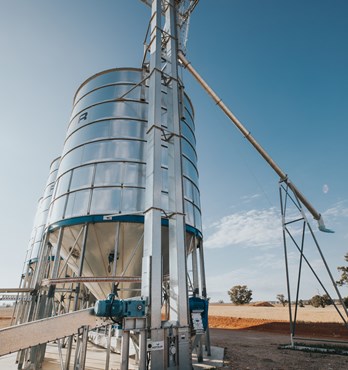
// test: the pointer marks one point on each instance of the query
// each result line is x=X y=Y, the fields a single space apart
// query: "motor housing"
x=119 y=308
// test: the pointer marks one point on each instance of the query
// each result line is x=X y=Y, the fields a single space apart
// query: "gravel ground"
x=249 y=349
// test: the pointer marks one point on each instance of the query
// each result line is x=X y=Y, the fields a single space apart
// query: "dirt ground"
x=250 y=349
x=251 y=336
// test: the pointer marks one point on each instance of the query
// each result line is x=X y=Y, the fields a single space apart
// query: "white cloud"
x=223 y=282
x=317 y=264
x=270 y=261
x=250 y=198
x=255 y=228
x=340 y=209
x=266 y=277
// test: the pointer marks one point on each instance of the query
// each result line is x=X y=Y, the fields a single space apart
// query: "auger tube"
x=283 y=176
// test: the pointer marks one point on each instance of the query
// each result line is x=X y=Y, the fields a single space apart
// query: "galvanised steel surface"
x=101 y=176
x=124 y=215
x=40 y=219
x=169 y=348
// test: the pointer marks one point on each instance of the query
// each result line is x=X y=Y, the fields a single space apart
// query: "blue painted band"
x=121 y=218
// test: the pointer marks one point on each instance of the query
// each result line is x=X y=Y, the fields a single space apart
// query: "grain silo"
x=98 y=199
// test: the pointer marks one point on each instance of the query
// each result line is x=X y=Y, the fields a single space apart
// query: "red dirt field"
x=313 y=330
x=252 y=335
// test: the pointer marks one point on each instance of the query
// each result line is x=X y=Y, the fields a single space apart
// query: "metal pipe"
x=93 y=279
x=195 y=276
x=16 y=290
x=283 y=176
x=117 y=235
x=108 y=348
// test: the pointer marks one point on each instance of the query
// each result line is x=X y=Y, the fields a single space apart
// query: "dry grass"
x=276 y=313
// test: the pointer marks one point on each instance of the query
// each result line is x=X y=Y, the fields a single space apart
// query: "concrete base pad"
x=214 y=361
x=96 y=359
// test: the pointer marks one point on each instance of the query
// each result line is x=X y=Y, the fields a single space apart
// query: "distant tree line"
x=241 y=294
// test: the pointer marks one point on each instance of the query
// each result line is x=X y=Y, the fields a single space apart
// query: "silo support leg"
x=185 y=350
x=207 y=342
x=68 y=352
x=142 y=350
x=197 y=346
x=125 y=350
x=81 y=348
x=108 y=349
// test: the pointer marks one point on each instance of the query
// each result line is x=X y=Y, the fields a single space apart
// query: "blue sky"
x=280 y=66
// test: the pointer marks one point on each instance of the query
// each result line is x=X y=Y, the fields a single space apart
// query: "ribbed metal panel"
x=102 y=172
x=41 y=215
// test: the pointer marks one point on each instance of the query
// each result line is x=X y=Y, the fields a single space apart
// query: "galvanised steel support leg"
x=142 y=350
x=195 y=270
x=125 y=350
x=202 y=270
x=21 y=303
x=108 y=348
x=37 y=353
x=77 y=291
x=152 y=254
x=84 y=347
x=283 y=204
x=56 y=265
x=22 y=307
x=42 y=262
x=178 y=315
x=177 y=250
x=38 y=301
x=204 y=292
x=81 y=348
x=60 y=353
x=117 y=235
x=197 y=345
x=40 y=355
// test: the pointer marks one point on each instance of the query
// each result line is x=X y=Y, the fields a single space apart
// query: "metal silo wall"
x=39 y=225
x=101 y=176
x=42 y=214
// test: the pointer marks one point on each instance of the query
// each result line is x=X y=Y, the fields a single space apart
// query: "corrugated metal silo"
x=42 y=214
x=99 y=193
